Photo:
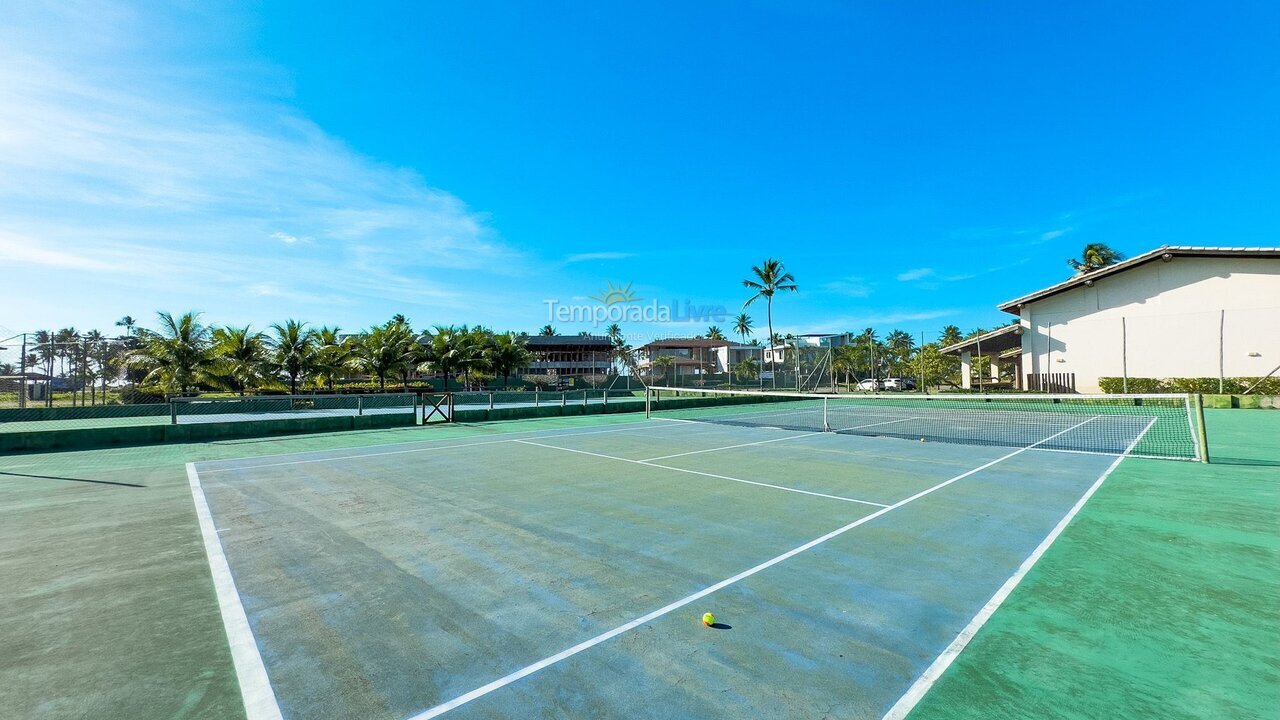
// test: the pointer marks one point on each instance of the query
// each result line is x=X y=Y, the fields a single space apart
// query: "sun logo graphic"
x=612 y=295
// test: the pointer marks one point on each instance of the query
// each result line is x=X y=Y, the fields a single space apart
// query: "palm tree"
x=665 y=363
x=715 y=333
x=384 y=349
x=127 y=322
x=950 y=336
x=547 y=331
x=508 y=353
x=901 y=346
x=1094 y=257
x=742 y=325
x=241 y=355
x=177 y=357
x=452 y=350
x=332 y=355
x=294 y=351
x=747 y=369
x=770 y=278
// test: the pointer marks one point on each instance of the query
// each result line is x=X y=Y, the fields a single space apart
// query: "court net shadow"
x=1258 y=462
x=71 y=479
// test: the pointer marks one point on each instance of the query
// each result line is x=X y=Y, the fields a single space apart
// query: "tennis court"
x=564 y=572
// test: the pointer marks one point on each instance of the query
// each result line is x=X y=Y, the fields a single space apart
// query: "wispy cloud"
x=288 y=239
x=112 y=160
x=853 y=287
x=588 y=257
x=916 y=274
x=851 y=323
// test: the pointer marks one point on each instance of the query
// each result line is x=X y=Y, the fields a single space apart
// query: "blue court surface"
x=564 y=573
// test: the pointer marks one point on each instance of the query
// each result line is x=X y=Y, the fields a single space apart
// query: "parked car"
x=869 y=385
x=899 y=384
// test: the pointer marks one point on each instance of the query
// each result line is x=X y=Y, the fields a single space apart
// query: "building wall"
x=1190 y=317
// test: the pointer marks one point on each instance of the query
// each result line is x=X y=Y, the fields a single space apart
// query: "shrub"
x=1202 y=385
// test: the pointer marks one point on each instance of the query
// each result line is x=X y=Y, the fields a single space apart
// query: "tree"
x=332 y=355
x=176 y=358
x=547 y=331
x=901 y=347
x=715 y=333
x=241 y=355
x=293 y=351
x=950 y=336
x=934 y=368
x=508 y=353
x=1095 y=256
x=742 y=325
x=665 y=363
x=747 y=369
x=770 y=278
x=382 y=350
x=127 y=322
x=456 y=350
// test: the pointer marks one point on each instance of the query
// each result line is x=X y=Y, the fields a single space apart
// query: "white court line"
x=495 y=441
x=587 y=644
x=255 y=687
x=773 y=440
x=916 y=692
x=704 y=474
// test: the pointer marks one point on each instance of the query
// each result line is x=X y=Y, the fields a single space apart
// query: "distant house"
x=1173 y=312
x=697 y=356
x=569 y=355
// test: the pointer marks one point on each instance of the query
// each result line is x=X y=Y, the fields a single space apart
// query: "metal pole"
x=22 y=381
x=490 y=401
x=1222 y=325
x=359 y=405
x=1204 y=435
x=173 y=412
x=920 y=363
x=1124 y=354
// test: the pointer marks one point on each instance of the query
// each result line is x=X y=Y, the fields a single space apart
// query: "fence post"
x=490 y=401
x=173 y=412
x=359 y=405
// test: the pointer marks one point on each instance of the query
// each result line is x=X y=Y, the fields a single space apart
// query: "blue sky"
x=912 y=163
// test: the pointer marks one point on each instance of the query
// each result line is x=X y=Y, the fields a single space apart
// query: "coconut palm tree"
x=715 y=333
x=450 y=351
x=383 y=350
x=1094 y=257
x=177 y=357
x=332 y=355
x=770 y=278
x=241 y=356
x=293 y=351
x=747 y=369
x=950 y=335
x=508 y=353
x=901 y=346
x=547 y=331
x=128 y=323
x=666 y=363
x=742 y=325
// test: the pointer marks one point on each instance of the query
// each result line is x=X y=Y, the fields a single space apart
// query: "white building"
x=1173 y=312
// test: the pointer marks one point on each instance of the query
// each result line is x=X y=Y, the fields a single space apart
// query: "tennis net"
x=1160 y=426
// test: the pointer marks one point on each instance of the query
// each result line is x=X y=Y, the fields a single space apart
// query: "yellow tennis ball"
x=708 y=619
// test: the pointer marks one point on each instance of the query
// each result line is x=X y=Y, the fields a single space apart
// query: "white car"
x=869 y=385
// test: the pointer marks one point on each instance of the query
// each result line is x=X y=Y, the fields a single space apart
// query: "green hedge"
x=1230 y=386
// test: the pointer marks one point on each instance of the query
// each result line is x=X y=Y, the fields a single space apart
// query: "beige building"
x=1173 y=312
